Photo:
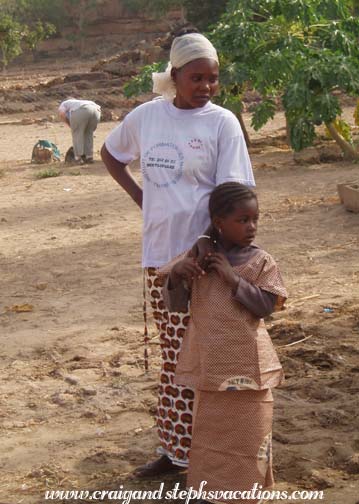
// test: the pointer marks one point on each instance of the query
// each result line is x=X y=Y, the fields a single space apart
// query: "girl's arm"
x=123 y=176
x=175 y=298
x=175 y=293
x=203 y=247
x=258 y=301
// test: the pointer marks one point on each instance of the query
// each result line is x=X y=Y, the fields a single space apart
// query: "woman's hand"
x=186 y=269
x=63 y=117
x=123 y=176
x=219 y=263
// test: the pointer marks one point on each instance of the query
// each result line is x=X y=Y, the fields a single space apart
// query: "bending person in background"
x=83 y=117
x=187 y=146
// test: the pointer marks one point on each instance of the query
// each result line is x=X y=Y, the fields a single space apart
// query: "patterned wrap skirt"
x=175 y=402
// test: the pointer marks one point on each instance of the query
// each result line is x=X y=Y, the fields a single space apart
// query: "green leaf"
x=231 y=100
x=262 y=113
x=302 y=133
x=325 y=107
x=296 y=97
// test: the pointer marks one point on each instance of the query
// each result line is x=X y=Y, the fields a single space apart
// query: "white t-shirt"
x=72 y=104
x=184 y=154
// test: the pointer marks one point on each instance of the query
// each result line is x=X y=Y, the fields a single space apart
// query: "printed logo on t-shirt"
x=195 y=143
x=239 y=383
x=162 y=164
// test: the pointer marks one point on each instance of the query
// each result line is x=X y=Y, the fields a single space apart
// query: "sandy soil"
x=76 y=408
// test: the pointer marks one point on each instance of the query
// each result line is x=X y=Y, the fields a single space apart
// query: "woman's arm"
x=123 y=176
x=63 y=116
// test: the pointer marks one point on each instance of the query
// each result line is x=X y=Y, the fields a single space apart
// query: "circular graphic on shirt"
x=195 y=144
x=162 y=164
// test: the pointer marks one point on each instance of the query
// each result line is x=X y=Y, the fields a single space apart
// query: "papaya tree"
x=298 y=53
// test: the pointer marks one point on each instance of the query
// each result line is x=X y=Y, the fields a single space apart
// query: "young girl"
x=227 y=355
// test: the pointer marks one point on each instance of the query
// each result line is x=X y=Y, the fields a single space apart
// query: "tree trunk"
x=244 y=129
x=287 y=130
x=348 y=150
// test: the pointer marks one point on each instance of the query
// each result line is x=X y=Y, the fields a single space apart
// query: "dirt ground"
x=76 y=408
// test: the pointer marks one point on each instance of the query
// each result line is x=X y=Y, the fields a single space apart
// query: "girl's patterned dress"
x=227 y=356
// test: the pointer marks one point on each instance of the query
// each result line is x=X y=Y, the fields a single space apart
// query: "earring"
x=219 y=230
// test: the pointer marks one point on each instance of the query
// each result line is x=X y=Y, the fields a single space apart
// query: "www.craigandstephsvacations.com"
x=126 y=496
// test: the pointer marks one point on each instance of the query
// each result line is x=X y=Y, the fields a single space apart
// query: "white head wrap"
x=184 y=49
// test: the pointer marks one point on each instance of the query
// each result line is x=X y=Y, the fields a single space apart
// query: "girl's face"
x=196 y=83
x=240 y=226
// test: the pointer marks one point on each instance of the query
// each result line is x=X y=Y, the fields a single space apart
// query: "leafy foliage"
x=11 y=34
x=300 y=52
x=39 y=32
x=13 y=31
x=142 y=83
x=30 y=11
x=204 y=13
x=263 y=112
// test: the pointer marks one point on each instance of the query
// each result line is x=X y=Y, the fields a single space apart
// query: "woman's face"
x=196 y=83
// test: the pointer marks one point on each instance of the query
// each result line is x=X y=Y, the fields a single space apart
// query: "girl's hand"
x=219 y=263
x=201 y=250
x=186 y=269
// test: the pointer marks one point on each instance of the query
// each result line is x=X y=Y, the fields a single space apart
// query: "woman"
x=187 y=146
x=83 y=117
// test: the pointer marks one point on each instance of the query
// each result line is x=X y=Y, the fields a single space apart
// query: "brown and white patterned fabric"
x=232 y=442
x=175 y=402
x=228 y=357
x=227 y=347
